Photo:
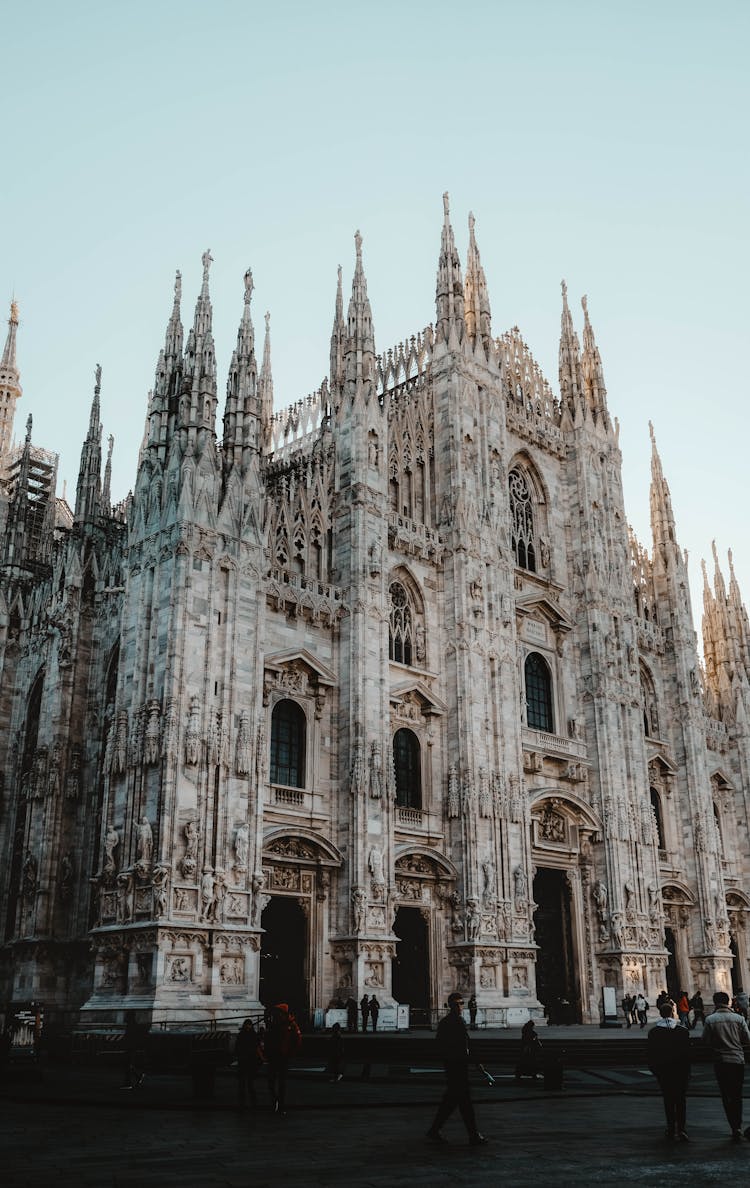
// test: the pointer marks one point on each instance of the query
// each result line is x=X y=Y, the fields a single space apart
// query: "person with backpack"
x=283 y=1040
x=669 y=1061
x=249 y=1057
x=641 y=1009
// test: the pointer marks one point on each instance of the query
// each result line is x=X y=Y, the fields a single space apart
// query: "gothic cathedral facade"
x=375 y=695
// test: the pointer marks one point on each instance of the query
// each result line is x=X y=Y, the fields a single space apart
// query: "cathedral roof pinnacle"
x=449 y=289
x=360 y=342
x=476 y=298
x=8 y=361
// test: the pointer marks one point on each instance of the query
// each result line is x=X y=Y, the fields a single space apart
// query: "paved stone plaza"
x=64 y=1125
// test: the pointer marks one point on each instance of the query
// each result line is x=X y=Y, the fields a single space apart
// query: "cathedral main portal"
x=557 y=984
x=283 y=955
x=410 y=965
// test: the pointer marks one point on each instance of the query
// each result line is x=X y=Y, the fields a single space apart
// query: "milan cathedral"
x=375 y=695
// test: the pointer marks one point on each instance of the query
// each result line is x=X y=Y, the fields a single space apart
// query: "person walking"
x=336 y=1054
x=728 y=1038
x=455 y=1048
x=134 y=1075
x=698 y=1009
x=530 y=1057
x=351 y=1014
x=249 y=1057
x=374 y=1012
x=282 y=1041
x=742 y=1002
x=641 y=1010
x=683 y=1009
x=627 y=1009
x=669 y=1060
x=364 y=1006
x=473 y=1012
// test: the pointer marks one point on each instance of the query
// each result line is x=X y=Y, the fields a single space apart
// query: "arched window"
x=288 y=745
x=649 y=704
x=522 y=521
x=656 y=806
x=407 y=768
x=538 y=693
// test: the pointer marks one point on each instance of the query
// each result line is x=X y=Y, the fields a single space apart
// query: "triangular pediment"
x=417 y=692
x=281 y=660
x=545 y=609
x=656 y=755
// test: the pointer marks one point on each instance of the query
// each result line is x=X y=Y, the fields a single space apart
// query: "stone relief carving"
x=151 y=738
x=376 y=770
x=192 y=733
x=160 y=882
x=454 y=804
x=241 y=846
x=242 y=759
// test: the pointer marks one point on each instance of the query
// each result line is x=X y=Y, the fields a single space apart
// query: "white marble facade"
x=386 y=671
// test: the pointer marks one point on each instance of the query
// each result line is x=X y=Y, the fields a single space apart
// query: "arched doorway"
x=555 y=965
x=673 y=980
x=410 y=977
x=283 y=953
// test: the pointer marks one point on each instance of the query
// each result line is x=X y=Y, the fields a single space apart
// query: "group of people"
x=369 y=1008
x=635 y=1008
x=726 y=1033
x=272 y=1045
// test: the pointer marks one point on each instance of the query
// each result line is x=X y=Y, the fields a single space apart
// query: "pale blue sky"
x=603 y=143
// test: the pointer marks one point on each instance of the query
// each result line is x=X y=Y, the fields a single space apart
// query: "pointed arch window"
x=288 y=730
x=522 y=521
x=401 y=642
x=538 y=679
x=656 y=806
x=407 y=768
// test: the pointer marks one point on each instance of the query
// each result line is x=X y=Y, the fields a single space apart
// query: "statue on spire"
x=207 y=260
x=98 y=377
x=249 y=286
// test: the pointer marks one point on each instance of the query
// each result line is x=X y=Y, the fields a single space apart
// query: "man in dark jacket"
x=282 y=1041
x=455 y=1048
x=728 y=1038
x=669 y=1061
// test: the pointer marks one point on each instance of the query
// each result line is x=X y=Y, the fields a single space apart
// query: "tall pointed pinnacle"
x=173 y=337
x=663 y=527
x=739 y=611
x=571 y=380
x=242 y=385
x=360 y=341
x=449 y=290
x=10 y=385
x=265 y=390
x=107 y=482
x=476 y=297
x=203 y=310
x=593 y=372
x=338 y=343
x=88 y=490
x=200 y=364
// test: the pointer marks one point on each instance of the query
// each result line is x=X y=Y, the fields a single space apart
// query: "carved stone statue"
x=160 y=880
x=207 y=893
x=600 y=896
x=241 y=845
x=145 y=847
x=488 y=880
x=375 y=865
x=520 y=887
x=376 y=771
x=473 y=919
x=66 y=876
x=151 y=735
x=111 y=842
x=30 y=871
x=190 y=859
x=359 y=903
x=192 y=733
x=257 y=883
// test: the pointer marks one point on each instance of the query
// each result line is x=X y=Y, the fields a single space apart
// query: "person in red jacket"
x=669 y=1061
x=282 y=1040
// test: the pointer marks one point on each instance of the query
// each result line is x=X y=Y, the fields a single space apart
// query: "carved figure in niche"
x=111 y=842
x=600 y=896
x=457 y=921
x=376 y=771
x=181 y=900
x=242 y=760
x=488 y=880
x=207 y=893
x=520 y=978
x=503 y=921
x=375 y=974
x=125 y=897
x=220 y=892
x=520 y=887
x=653 y=903
x=711 y=935
x=66 y=876
x=179 y=969
x=419 y=643
x=543 y=552
x=487 y=979
x=145 y=850
x=629 y=900
x=143 y=968
x=230 y=971
x=30 y=870
x=375 y=865
x=169 y=738
x=454 y=805
x=552 y=825
x=151 y=735
x=618 y=934
x=192 y=733
x=473 y=919
x=73 y=777
x=160 y=880
x=256 y=885
x=190 y=859
x=358 y=908
x=241 y=845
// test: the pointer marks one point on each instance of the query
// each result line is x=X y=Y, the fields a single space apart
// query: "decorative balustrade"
x=553 y=744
